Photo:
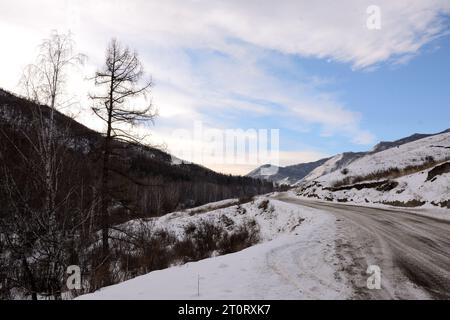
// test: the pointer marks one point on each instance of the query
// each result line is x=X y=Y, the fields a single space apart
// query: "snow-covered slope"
x=294 y=261
x=287 y=175
x=434 y=148
x=336 y=163
x=408 y=191
x=411 y=174
x=296 y=174
x=384 y=145
x=272 y=218
x=341 y=161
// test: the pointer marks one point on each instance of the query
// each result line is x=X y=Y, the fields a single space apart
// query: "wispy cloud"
x=209 y=58
x=324 y=29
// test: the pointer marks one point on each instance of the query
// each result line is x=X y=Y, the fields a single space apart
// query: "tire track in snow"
x=413 y=251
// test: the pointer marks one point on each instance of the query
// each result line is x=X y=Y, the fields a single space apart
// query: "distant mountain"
x=287 y=175
x=297 y=174
x=384 y=145
x=341 y=161
x=409 y=172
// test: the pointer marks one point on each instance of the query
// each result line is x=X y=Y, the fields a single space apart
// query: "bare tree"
x=44 y=83
x=121 y=82
x=32 y=231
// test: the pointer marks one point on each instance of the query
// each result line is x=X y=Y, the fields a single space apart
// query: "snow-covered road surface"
x=413 y=251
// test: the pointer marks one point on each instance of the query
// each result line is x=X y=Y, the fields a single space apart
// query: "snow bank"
x=296 y=261
x=274 y=220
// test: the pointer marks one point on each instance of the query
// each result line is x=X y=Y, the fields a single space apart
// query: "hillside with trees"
x=64 y=187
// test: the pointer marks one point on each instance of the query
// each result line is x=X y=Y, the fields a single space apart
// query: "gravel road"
x=412 y=250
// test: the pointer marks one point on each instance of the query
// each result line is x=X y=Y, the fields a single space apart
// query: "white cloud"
x=325 y=29
x=233 y=37
x=322 y=28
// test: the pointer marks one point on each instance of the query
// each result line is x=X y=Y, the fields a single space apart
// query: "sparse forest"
x=63 y=187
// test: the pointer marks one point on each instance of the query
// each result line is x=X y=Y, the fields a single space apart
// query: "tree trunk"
x=105 y=191
x=30 y=278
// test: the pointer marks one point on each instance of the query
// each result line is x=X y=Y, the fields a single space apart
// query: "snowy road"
x=325 y=256
x=413 y=251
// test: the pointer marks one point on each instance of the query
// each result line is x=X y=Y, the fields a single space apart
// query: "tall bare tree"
x=121 y=81
x=33 y=233
x=44 y=82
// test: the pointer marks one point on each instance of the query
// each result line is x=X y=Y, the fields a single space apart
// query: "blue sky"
x=313 y=70
x=394 y=100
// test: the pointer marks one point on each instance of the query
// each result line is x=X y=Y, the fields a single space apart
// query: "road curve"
x=413 y=251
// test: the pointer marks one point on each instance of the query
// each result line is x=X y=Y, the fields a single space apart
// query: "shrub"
x=184 y=251
x=190 y=228
x=207 y=238
x=241 y=210
x=264 y=205
x=429 y=159
x=137 y=250
x=227 y=222
x=245 y=236
x=445 y=204
x=245 y=199
x=142 y=250
x=408 y=204
x=438 y=170
x=388 y=186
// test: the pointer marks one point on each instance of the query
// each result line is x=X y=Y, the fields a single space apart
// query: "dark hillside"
x=147 y=181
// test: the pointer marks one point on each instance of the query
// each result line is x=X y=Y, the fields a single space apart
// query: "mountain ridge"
x=289 y=174
x=330 y=164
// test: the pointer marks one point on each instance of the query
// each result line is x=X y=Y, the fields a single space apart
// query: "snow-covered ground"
x=276 y=219
x=296 y=260
x=297 y=257
x=335 y=163
x=305 y=253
